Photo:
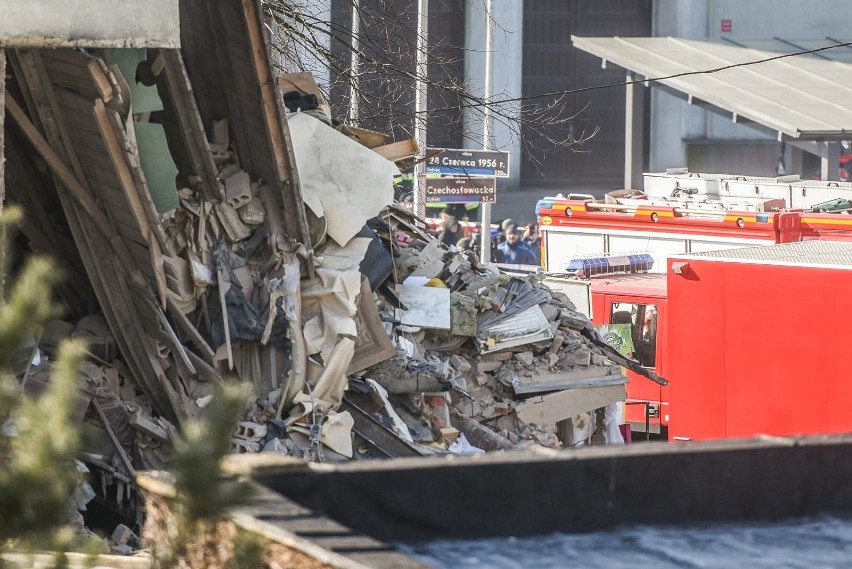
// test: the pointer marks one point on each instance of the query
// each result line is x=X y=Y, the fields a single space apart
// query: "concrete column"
x=794 y=160
x=672 y=120
x=508 y=52
x=634 y=119
x=829 y=162
x=2 y=118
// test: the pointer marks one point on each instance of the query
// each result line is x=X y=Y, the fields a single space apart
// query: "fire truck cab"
x=638 y=300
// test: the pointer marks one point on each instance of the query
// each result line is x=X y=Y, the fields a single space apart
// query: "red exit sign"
x=727 y=25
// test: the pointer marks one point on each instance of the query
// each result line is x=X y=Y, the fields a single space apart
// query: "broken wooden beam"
x=592 y=376
x=57 y=166
x=397 y=151
x=554 y=407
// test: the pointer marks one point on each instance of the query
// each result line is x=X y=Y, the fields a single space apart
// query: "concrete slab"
x=89 y=23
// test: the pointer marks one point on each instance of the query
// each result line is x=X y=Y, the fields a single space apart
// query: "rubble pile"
x=500 y=359
x=262 y=244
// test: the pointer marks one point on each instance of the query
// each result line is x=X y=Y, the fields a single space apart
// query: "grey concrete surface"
x=89 y=23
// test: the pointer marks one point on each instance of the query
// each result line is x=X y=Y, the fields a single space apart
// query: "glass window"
x=642 y=319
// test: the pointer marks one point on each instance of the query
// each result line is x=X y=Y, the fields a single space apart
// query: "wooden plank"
x=129 y=188
x=194 y=335
x=575 y=374
x=131 y=238
x=276 y=127
x=205 y=371
x=398 y=150
x=159 y=327
x=102 y=82
x=76 y=69
x=554 y=407
x=42 y=96
x=71 y=101
x=125 y=459
x=526 y=387
x=125 y=179
x=372 y=346
x=271 y=515
x=61 y=79
x=66 y=56
x=368 y=138
x=106 y=270
x=134 y=164
x=54 y=162
x=189 y=119
x=221 y=285
x=81 y=122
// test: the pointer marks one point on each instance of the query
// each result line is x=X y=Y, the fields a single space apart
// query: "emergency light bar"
x=587 y=267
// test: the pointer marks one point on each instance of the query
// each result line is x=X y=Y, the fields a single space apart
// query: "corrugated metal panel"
x=816 y=253
x=800 y=96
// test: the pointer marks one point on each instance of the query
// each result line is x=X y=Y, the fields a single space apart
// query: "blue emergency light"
x=587 y=267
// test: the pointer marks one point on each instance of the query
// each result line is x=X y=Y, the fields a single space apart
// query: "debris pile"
x=475 y=358
x=214 y=222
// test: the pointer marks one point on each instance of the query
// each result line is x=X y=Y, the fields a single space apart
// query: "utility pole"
x=485 y=222
x=420 y=105
x=354 y=61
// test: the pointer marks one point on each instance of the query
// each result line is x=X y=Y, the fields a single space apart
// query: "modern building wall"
x=506 y=76
x=678 y=130
x=672 y=120
x=300 y=58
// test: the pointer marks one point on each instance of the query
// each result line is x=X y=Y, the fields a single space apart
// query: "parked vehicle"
x=605 y=246
x=728 y=329
x=585 y=228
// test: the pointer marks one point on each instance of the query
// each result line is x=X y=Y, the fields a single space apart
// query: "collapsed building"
x=213 y=222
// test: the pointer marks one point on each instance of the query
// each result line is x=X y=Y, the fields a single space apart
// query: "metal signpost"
x=461 y=190
x=465 y=162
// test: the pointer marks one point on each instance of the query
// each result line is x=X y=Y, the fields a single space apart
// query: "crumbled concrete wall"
x=89 y=23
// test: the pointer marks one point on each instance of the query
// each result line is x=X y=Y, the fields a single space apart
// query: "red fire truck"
x=573 y=228
x=727 y=329
x=584 y=238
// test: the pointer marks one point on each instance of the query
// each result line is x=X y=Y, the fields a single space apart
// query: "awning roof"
x=806 y=97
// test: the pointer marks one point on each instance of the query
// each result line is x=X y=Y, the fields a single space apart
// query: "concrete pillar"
x=506 y=74
x=672 y=120
x=794 y=160
x=2 y=118
x=634 y=120
x=829 y=163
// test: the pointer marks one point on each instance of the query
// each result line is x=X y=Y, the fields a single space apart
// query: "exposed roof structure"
x=804 y=98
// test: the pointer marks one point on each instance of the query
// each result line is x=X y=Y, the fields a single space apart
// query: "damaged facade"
x=270 y=251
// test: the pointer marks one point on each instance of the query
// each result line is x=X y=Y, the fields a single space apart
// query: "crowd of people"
x=511 y=244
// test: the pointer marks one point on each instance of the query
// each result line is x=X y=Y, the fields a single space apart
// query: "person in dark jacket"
x=451 y=231
x=532 y=237
x=514 y=250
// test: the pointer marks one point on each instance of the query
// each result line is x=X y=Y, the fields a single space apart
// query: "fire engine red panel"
x=826 y=226
x=637 y=289
x=756 y=348
x=778 y=227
